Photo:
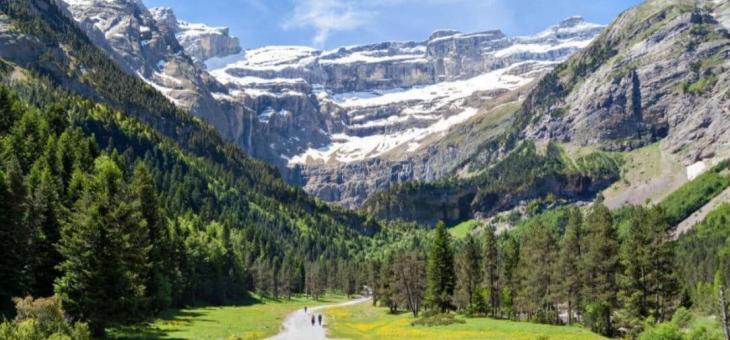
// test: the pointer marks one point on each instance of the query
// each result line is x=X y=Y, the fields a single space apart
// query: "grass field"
x=462 y=229
x=364 y=321
x=255 y=321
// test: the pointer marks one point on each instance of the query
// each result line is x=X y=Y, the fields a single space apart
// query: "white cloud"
x=326 y=16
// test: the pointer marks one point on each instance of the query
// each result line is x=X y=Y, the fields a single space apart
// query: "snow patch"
x=347 y=148
x=696 y=169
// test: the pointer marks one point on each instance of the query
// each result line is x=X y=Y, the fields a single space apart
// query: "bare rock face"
x=364 y=118
x=146 y=45
x=200 y=41
x=662 y=73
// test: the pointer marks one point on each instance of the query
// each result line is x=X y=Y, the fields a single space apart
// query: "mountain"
x=349 y=122
x=344 y=123
x=71 y=116
x=157 y=48
x=200 y=41
x=656 y=74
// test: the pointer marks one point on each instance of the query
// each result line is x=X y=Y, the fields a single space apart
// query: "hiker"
x=320 y=319
x=312 y=320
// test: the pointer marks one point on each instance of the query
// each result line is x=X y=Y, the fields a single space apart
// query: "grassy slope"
x=367 y=322
x=460 y=230
x=646 y=173
x=255 y=321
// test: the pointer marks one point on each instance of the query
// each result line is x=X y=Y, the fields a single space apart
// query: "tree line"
x=119 y=222
x=612 y=272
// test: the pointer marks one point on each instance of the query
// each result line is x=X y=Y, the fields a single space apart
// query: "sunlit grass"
x=462 y=229
x=364 y=321
x=261 y=319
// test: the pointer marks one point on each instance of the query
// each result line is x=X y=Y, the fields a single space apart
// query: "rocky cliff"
x=200 y=41
x=148 y=46
x=348 y=122
x=659 y=72
x=343 y=123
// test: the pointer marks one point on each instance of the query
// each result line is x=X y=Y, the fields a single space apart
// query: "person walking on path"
x=312 y=320
x=320 y=319
x=305 y=309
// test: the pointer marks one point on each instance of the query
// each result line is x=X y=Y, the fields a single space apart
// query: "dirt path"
x=701 y=213
x=298 y=325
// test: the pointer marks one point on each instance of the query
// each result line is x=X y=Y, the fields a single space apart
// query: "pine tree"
x=441 y=276
x=374 y=279
x=44 y=219
x=156 y=276
x=103 y=258
x=538 y=288
x=9 y=111
x=14 y=235
x=648 y=284
x=600 y=269
x=468 y=272
x=386 y=288
x=569 y=267
x=491 y=268
x=509 y=279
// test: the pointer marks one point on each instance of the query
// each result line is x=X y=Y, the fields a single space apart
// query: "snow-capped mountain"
x=319 y=112
x=147 y=43
x=343 y=123
x=200 y=41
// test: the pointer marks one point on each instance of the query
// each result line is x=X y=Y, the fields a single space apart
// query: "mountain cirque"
x=342 y=123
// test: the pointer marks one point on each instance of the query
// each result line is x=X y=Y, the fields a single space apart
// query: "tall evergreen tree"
x=44 y=219
x=491 y=268
x=538 y=288
x=468 y=271
x=648 y=284
x=156 y=275
x=103 y=256
x=569 y=266
x=14 y=235
x=509 y=279
x=600 y=269
x=441 y=276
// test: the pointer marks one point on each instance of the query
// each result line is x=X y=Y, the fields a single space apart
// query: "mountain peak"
x=571 y=21
x=440 y=33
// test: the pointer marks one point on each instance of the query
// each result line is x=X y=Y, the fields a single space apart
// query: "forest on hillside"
x=621 y=273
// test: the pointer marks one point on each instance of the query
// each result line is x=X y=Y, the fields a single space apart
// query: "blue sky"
x=333 y=23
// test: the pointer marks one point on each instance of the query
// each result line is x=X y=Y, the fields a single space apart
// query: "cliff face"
x=145 y=43
x=342 y=123
x=661 y=73
x=200 y=41
x=349 y=122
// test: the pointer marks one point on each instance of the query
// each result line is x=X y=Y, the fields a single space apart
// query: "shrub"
x=663 y=331
x=40 y=319
x=682 y=317
x=596 y=318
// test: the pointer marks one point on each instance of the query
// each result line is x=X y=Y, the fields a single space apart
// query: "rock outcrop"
x=659 y=71
x=147 y=45
x=200 y=41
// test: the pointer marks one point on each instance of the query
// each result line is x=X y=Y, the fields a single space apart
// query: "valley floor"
x=363 y=321
x=260 y=319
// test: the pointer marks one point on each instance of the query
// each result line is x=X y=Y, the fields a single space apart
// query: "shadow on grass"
x=148 y=330
x=156 y=328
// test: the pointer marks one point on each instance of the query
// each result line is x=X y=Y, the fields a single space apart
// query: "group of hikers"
x=314 y=320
